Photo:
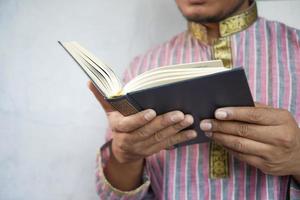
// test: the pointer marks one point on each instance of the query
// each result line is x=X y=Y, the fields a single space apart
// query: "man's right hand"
x=137 y=136
x=143 y=134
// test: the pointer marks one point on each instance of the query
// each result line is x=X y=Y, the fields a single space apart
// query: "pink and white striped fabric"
x=270 y=54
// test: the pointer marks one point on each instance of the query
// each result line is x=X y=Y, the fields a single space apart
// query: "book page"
x=174 y=73
x=100 y=84
x=102 y=75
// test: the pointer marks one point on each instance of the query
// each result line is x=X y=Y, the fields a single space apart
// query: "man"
x=263 y=141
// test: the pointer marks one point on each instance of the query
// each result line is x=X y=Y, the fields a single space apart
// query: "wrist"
x=125 y=176
x=134 y=165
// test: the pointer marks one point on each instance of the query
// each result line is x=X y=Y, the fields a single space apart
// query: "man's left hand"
x=264 y=137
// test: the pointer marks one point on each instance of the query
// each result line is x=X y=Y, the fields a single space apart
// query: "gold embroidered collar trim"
x=228 y=26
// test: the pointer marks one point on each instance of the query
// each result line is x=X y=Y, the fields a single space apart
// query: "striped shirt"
x=270 y=54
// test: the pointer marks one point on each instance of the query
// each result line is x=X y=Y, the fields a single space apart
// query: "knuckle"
x=122 y=146
x=269 y=168
x=255 y=115
x=270 y=154
x=287 y=141
x=168 y=144
x=142 y=133
x=171 y=141
x=219 y=126
x=238 y=146
x=113 y=128
x=164 y=120
x=121 y=125
x=184 y=136
x=158 y=136
x=177 y=127
x=122 y=143
x=265 y=168
x=243 y=130
x=216 y=125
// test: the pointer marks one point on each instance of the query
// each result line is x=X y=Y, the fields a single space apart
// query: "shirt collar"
x=228 y=26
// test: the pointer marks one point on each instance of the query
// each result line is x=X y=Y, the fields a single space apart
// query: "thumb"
x=106 y=106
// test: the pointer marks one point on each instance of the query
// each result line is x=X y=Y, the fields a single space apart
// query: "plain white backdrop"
x=50 y=124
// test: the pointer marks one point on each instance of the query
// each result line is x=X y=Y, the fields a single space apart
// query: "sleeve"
x=106 y=191
x=294 y=189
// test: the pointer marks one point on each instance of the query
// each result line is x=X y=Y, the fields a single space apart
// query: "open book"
x=195 y=88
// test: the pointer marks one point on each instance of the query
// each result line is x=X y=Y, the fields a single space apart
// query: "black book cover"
x=199 y=97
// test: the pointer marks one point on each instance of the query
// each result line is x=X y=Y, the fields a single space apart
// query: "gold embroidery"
x=222 y=51
x=198 y=31
x=239 y=22
x=219 y=165
x=218 y=161
x=228 y=26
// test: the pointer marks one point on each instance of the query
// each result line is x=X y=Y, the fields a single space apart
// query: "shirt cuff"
x=294 y=189
x=105 y=190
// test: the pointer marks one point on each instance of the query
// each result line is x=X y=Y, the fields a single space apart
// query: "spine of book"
x=124 y=105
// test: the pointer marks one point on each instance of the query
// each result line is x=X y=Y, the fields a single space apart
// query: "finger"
x=264 y=134
x=169 y=131
x=243 y=145
x=133 y=122
x=157 y=124
x=106 y=106
x=255 y=115
x=169 y=142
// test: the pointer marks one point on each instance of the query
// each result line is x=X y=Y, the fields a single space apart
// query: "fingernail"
x=187 y=121
x=191 y=134
x=175 y=118
x=205 y=125
x=208 y=134
x=149 y=115
x=221 y=114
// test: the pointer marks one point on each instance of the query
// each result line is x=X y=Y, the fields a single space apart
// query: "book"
x=197 y=88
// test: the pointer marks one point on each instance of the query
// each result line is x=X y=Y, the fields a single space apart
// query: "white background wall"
x=50 y=124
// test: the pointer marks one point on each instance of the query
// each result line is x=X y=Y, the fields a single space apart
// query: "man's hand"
x=137 y=136
x=264 y=137
x=143 y=134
